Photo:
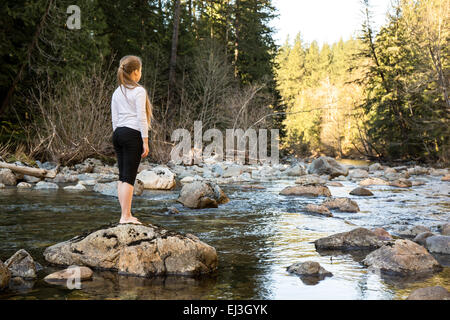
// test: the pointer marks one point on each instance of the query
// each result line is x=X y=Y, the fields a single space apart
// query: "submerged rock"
x=341 y=204
x=160 y=178
x=308 y=268
x=359 y=238
x=327 y=165
x=78 y=186
x=82 y=273
x=139 y=250
x=438 y=244
x=306 y=191
x=21 y=264
x=403 y=258
x=430 y=293
x=5 y=275
x=202 y=194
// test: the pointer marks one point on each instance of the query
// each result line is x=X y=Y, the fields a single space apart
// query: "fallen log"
x=36 y=172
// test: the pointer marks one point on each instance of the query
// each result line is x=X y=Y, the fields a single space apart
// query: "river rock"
x=327 y=165
x=139 y=250
x=341 y=204
x=335 y=184
x=84 y=273
x=232 y=171
x=418 y=170
x=160 y=178
x=373 y=182
x=5 y=275
x=310 y=180
x=421 y=237
x=44 y=185
x=403 y=258
x=401 y=183
x=2 y=185
x=202 y=194
x=308 y=268
x=78 y=186
x=64 y=178
x=437 y=172
x=446 y=177
x=438 y=244
x=359 y=238
x=106 y=170
x=23 y=185
x=375 y=167
x=296 y=170
x=430 y=293
x=7 y=177
x=31 y=179
x=418 y=182
x=357 y=174
x=21 y=264
x=382 y=234
x=413 y=231
x=359 y=191
x=306 y=191
x=318 y=209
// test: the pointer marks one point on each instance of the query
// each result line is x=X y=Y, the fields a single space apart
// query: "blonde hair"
x=127 y=65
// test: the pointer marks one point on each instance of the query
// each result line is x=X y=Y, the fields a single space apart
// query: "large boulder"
x=306 y=191
x=403 y=258
x=21 y=264
x=341 y=204
x=430 y=293
x=202 y=194
x=438 y=244
x=5 y=275
x=160 y=178
x=356 y=239
x=139 y=250
x=327 y=165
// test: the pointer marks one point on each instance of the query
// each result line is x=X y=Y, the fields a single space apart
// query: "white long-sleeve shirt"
x=130 y=111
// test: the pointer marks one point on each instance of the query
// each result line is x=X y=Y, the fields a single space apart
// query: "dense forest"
x=381 y=95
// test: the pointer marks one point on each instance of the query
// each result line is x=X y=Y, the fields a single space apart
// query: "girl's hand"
x=145 y=150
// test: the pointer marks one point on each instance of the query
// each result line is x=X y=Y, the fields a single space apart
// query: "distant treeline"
x=384 y=94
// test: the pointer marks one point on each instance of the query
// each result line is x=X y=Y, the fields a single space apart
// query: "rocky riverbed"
x=259 y=219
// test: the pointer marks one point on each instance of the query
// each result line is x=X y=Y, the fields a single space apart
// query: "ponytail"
x=127 y=65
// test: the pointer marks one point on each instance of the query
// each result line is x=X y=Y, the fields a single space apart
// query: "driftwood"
x=36 y=172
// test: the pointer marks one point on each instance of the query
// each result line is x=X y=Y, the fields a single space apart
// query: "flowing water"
x=257 y=235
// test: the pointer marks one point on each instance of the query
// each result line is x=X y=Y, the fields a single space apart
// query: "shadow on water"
x=257 y=235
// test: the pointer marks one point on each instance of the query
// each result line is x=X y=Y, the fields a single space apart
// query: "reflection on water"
x=257 y=235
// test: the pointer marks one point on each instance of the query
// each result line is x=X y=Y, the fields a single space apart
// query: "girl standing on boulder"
x=131 y=119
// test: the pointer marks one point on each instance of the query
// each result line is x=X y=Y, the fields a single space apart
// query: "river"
x=257 y=235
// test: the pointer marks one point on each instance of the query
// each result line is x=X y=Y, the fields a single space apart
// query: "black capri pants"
x=128 y=145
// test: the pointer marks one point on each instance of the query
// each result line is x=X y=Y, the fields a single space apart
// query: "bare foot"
x=130 y=220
